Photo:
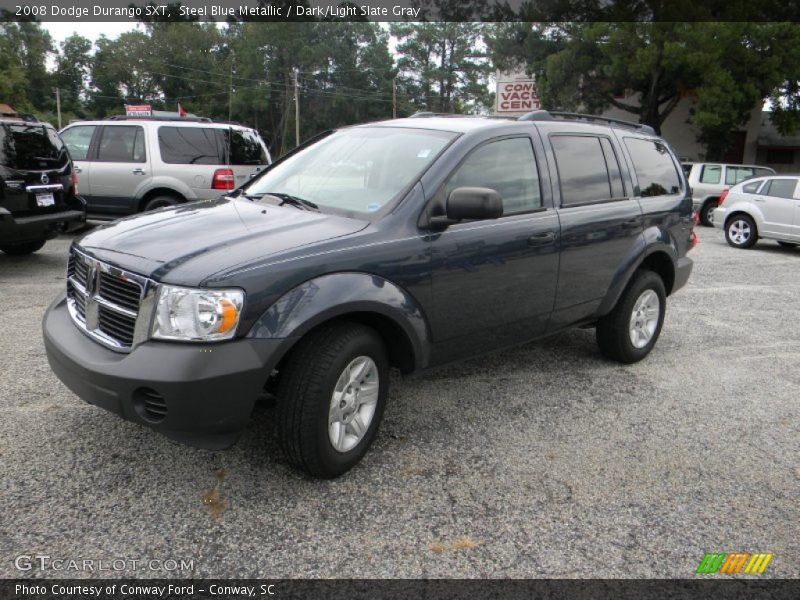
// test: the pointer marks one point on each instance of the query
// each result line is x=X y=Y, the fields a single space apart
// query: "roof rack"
x=548 y=115
x=23 y=117
x=423 y=114
x=185 y=119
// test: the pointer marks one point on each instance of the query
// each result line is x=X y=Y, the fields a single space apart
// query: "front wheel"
x=22 y=249
x=740 y=231
x=331 y=397
x=628 y=333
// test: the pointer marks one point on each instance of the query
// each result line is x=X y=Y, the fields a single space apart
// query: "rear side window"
x=780 y=188
x=246 y=148
x=588 y=170
x=121 y=143
x=711 y=174
x=506 y=166
x=31 y=147
x=192 y=145
x=78 y=139
x=655 y=169
x=734 y=175
x=751 y=188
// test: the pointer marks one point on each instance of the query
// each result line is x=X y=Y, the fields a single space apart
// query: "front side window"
x=711 y=174
x=780 y=188
x=78 y=139
x=121 y=143
x=655 y=169
x=361 y=169
x=752 y=188
x=583 y=172
x=506 y=166
x=192 y=145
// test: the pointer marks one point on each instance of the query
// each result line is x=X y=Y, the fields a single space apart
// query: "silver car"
x=130 y=164
x=709 y=180
x=767 y=207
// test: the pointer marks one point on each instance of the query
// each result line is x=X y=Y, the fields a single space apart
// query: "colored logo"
x=733 y=563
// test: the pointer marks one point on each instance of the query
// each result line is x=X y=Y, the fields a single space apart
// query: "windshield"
x=31 y=147
x=358 y=170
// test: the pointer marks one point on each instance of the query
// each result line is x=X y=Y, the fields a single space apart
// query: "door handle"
x=541 y=238
x=759 y=199
x=635 y=222
x=77 y=169
x=138 y=172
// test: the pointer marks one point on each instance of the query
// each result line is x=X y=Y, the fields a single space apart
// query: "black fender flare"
x=652 y=240
x=338 y=294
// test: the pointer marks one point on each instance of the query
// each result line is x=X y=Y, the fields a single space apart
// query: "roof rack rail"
x=423 y=114
x=547 y=115
x=133 y=118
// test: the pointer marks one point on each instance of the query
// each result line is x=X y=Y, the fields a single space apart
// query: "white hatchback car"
x=767 y=207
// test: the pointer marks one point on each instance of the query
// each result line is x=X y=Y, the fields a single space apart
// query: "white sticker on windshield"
x=424 y=153
x=373 y=207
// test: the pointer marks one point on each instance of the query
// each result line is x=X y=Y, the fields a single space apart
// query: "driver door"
x=494 y=281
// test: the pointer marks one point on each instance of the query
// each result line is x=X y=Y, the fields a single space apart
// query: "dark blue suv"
x=407 y=243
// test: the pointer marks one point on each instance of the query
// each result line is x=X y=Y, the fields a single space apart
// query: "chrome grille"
x=106 y=302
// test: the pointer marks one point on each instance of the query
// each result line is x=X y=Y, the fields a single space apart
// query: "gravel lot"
x=542 y=461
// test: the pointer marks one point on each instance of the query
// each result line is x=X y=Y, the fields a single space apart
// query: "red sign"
x=517 y=96
x=138 y=110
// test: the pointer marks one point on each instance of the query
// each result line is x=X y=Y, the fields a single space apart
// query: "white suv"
x=767 y=207
x=709 y=180
x=130 y=164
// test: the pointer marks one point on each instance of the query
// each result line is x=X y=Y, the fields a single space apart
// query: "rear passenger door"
x=777 y=203
x=601 y=221
x=120 y=168
x=493 y=281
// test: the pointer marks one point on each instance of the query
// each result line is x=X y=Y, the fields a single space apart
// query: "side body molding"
x=336 y=294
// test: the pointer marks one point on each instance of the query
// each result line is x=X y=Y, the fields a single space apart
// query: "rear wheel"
x=22 y=249
x=787 y=245
x=707 y=213
x=331 y=397
x=740 y=231
x=628 y=333
x=161 y=202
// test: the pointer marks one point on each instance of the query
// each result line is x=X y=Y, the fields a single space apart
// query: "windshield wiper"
x=294 y=201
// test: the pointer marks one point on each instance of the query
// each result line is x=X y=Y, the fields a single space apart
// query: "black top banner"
x=401 y=10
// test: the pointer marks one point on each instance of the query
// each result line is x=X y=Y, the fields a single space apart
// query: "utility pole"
x=394 y=97
x=296 y=110
x=58 y=107
x=230 y=87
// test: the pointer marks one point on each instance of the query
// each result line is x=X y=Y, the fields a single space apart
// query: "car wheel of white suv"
x=740 y=231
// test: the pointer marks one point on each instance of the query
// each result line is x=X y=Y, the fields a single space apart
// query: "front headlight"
x=196 y=315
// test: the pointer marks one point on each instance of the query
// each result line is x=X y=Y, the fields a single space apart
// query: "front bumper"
x=207 y=390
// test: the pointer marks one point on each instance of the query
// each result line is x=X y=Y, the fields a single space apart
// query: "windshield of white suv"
x=357 y=170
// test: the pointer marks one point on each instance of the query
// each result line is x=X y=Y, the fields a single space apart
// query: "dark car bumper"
x=205 y=392
x=35 y=227
x=683 y=269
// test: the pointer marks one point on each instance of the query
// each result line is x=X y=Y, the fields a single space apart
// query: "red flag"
x=181 y=112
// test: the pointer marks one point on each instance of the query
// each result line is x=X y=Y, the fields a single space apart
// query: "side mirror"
x=470 y=204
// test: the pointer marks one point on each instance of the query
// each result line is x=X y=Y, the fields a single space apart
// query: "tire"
x=24 y=248
x=161 y=202
x=707 y=213
x=615 y=332
x=787 y=245
x=308 y=419
x=741 y=232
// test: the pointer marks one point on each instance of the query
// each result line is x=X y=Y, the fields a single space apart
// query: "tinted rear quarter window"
x=582 y=170
x=192 y=145
x=246 y=148
x=31 y=147
x=655 y=169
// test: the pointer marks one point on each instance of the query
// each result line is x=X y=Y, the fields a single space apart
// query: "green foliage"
x=727 y=68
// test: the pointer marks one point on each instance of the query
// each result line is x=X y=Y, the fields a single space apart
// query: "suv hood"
x=190 y=243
